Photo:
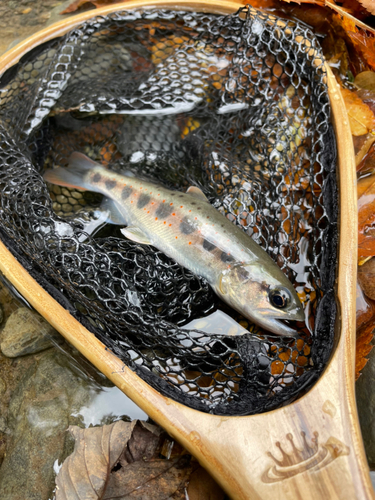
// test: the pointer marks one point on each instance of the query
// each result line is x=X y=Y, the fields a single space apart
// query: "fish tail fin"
x=74 y=176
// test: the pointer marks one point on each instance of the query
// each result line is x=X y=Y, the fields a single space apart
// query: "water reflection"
x=107 y=405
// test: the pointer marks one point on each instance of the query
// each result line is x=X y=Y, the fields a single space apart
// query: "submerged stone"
x=26 y=332
x=40 y=411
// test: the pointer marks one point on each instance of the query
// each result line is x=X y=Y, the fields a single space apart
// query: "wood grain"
x=311 y=449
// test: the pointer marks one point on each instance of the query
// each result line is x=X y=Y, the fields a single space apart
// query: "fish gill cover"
x=235 y=105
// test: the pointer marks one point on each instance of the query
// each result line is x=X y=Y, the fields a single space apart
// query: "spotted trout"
x=187 y=228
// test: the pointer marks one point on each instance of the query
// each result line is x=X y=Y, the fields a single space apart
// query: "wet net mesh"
x=236 y=105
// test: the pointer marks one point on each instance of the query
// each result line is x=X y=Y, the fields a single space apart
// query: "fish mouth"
x=281 y=327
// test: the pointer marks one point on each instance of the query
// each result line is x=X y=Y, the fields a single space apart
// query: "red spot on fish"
x=152 y=203
x=181 y=206
x=196 y=218
x=176 y=237
x=189 y=242
x=189 y=210
x=131 y=201
x=173 y=214
x=164 y=222
x=171 y=204
x=170 y=225
x=156 y=218
x=208 y=217
x=148 y=211
x=158 y=194
x=163 y=201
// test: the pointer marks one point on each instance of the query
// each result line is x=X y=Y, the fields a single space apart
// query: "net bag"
x=236 y=105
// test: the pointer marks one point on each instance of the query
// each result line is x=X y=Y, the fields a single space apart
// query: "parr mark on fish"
x=110 y=183
x=143 y=200
x=207 y=245
x=186 y=227
x=163 y=211
x=126 y=192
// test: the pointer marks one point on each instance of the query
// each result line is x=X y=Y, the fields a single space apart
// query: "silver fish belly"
x=187 y=228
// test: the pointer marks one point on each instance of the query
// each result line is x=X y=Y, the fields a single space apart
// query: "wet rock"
x=26 y=332
x=40 y=410
x=1 y=314
x=365 y=395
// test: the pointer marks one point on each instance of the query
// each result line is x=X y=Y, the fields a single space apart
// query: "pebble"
x=40 y=411
x=26 y=332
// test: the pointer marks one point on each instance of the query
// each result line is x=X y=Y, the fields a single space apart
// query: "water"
x=109 y=403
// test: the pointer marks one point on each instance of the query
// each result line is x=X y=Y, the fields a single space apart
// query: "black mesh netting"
x=236 y=105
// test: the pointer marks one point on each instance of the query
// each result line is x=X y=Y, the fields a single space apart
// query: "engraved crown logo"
x=307 y=455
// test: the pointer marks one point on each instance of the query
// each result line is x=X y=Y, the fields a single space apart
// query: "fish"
x=187 y=228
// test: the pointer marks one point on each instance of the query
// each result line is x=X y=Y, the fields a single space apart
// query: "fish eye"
x=279 y=298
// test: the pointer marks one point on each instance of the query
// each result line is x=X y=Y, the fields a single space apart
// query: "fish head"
x=262 y=294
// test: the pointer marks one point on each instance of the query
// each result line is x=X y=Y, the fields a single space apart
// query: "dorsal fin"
x=197 y=193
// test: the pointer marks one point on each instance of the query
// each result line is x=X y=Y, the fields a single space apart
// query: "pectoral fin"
x=197 y=193
x=135 y=234
x=114 y=216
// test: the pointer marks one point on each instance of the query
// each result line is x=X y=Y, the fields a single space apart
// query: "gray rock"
x=365 y=396
x=40 y=411
x=26 y=332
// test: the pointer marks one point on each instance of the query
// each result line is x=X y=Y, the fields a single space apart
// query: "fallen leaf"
x=365 y=308
x=366 y=165
x=363 y=41
x=84 y=474
x=368 y=5
x=361 y=118
x=366 y=217
x=363 y=347
x=366 y=278
x=366 y=80
x=122 y=461
x=78 y=4
x=203 y=487
x=352 y=10
x=362 y=150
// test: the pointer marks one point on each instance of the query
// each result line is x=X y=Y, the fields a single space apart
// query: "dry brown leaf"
x=361 y=118
x=84 y=474
x=350 y=16
x=368 y=5
x=363 y=39
x=203 y=487
x=366 y=278
x=122 y=461
x=366 y=80
x=78 y=4
x=363 y=347
x=366 y=218
x=365 y=308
